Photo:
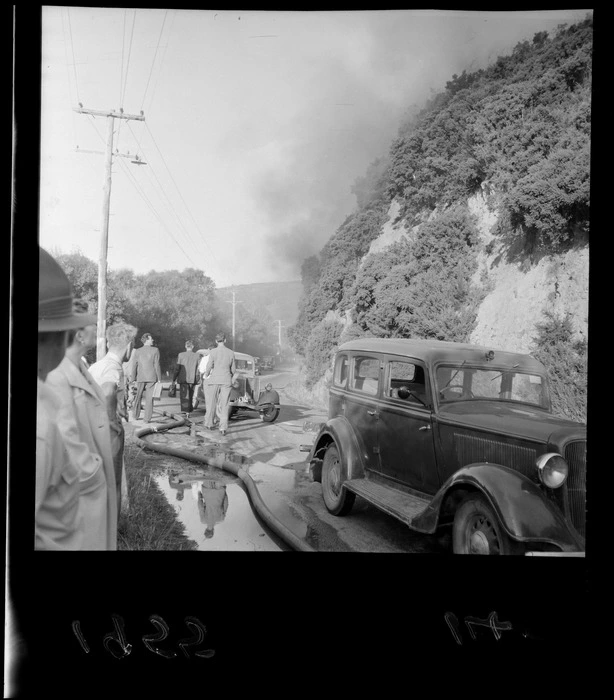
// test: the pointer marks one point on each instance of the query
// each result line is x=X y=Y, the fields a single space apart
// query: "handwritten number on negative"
x=200 y=631
x=117 y=645
x=492 y=622
x=118 y=636
x=163 y=630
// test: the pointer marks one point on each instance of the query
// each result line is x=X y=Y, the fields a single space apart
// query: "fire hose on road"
x=256 y=500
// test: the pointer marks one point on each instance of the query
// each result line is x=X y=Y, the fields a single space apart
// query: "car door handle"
x=425 y=427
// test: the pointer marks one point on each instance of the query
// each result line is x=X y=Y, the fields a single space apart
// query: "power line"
x=74 y=63
x=154 y=59
x=163 y=191
x=121 y=73
x=128 y=61
x=170 y=31
x=182 y=199
x=65 y=42
x=141 y=192
x=123 y=97
x=173 y=211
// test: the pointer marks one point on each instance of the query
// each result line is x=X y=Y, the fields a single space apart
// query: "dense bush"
x=321 y=348
x=523 y=124
x=422 y=288
x=328 y=278
x=565 y=360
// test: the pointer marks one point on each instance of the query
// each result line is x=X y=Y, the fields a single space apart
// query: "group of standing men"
x=217 y=370
x=81 y=483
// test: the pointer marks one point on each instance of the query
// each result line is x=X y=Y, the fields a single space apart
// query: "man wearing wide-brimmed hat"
x=85 y=428
x=58 y=518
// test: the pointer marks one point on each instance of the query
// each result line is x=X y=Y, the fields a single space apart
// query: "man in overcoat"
x=145 y=370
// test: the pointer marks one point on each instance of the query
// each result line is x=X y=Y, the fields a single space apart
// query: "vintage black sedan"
x=449 y=435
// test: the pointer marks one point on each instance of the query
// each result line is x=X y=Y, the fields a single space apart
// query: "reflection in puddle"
x=216 y=512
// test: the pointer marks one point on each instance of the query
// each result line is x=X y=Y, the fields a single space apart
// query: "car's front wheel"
x=269 y=414
x=338 y=501
x=477 y=530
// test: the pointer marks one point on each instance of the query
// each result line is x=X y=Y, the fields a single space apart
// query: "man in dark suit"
x=186 y=373
x=145 y=370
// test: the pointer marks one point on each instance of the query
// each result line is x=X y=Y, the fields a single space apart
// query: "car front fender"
x=339 y=431
x=524 y=511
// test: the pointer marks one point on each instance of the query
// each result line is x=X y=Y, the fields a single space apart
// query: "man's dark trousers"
x=148 y=388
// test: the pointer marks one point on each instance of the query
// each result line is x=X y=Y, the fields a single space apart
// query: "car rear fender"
x=523 y=509
x=339 y=431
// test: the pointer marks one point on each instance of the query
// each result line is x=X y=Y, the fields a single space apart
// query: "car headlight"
x=552 y=470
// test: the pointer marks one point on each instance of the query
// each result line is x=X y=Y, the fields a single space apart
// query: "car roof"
x=243 y=356
x=432 y=351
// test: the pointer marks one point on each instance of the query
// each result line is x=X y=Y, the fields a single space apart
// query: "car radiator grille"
x=471 y=449
x=575 y=456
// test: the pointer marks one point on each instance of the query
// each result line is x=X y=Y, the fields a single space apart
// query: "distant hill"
x=280 y=299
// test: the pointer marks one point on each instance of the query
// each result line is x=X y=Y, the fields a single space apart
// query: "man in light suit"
x=186 y=373
x=145 y=370
x=220 y=372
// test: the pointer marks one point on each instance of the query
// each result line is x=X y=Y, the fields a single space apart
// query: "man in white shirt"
x=109 y=374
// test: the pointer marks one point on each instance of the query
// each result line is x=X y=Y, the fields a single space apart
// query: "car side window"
x=406 y=382
x=365 y=376
x=341 y=371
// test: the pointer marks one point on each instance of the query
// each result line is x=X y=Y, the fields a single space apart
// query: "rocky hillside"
x=519 y=290
x=474 y=226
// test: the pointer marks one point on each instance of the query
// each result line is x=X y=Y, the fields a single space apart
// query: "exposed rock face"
x=508 y=315
x=392 y=230
x=519 y=292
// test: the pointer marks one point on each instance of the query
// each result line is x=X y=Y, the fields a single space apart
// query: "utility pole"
x=106 y=204
x=279 y=327
x=234 y=303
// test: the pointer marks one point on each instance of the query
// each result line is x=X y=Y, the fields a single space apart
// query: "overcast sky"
x=257 y=124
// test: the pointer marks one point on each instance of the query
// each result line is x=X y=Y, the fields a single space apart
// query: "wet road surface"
x=213 y=504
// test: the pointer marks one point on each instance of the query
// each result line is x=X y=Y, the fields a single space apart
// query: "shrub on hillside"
x=321 y=347
x=422 y=289
x=565 y=360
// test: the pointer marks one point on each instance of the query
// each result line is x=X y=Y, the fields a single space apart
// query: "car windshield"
x=245 y=365
x=465 y=383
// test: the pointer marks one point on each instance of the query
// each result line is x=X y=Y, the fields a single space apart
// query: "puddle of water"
x=217 y=514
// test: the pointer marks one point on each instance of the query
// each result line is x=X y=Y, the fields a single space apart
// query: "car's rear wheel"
x=338 y=501
x=477 y=530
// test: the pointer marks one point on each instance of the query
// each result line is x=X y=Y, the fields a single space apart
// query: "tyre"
x=477 y=530
x=338 y=501
x=269 y=414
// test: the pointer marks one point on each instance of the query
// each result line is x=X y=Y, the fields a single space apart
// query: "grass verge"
x=150 y=523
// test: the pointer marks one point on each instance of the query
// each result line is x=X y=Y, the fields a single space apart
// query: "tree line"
x=174 y=306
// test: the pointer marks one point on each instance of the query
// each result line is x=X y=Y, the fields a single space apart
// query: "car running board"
x=403 y=506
